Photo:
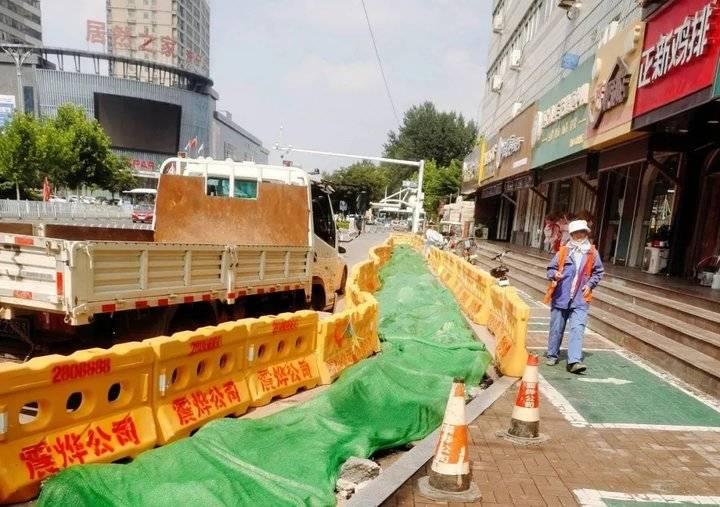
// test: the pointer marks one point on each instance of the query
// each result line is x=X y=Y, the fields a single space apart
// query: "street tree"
x=123 y=178
x=362 y=175
x=429 y=134
x=23 y=149
x=84 y=156
x=440 y=184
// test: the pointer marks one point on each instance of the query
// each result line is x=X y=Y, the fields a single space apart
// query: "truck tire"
x=318 y=300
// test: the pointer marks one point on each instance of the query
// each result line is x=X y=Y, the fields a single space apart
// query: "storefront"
x=675 y=104
x=618 y=154
x=507 y=157
x=565 y=190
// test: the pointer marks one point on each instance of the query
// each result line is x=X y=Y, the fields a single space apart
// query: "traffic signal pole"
x=420 y=164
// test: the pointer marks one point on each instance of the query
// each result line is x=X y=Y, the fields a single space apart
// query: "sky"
x=309 y=67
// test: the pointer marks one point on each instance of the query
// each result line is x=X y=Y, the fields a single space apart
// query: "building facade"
x=623 y=132
x=20 y=22
x=230 y=140
x=147 y=122
x=170 y=32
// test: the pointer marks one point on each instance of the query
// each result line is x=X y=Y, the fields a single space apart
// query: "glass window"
x=218 y=186
x=323 y=222
x=246 y=189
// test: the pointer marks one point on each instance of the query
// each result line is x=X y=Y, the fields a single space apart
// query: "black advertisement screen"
x=139 y=124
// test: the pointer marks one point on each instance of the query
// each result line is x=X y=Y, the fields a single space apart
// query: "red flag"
x=46 y=189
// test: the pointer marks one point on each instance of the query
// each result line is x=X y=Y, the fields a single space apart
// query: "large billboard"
x=139 y=124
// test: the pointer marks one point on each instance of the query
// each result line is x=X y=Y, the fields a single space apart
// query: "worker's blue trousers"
x=559 y=319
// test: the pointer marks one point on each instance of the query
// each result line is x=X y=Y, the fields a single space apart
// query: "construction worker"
x=573 y=273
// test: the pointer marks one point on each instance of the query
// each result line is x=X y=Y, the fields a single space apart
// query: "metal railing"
x=39 y=210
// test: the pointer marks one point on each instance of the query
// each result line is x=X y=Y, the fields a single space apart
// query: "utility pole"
x=419 y=164
x=19 y=54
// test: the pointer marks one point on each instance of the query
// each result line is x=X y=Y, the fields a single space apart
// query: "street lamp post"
x=19 y=55
x=419 y=164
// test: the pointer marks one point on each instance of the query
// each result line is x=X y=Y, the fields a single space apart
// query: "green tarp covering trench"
x=293 y=457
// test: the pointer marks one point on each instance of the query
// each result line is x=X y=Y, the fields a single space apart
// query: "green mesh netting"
x=293 y=457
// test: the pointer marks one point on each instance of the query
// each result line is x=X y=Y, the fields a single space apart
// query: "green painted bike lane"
x=618 y=392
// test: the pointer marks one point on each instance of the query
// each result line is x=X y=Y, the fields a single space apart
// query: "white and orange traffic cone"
x=449 y=479
x=525 y=420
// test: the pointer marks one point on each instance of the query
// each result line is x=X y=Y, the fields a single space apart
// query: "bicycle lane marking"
x=598 y=498
x=638 y=397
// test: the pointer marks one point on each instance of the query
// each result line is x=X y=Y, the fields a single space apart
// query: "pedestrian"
x=573 y=273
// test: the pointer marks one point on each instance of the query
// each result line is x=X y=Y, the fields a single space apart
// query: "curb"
x=404 y=468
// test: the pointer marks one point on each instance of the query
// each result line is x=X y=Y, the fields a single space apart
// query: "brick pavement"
x=626 y=461
x=621 y=460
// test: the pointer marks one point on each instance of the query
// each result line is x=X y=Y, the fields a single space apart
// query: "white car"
x=55 y=198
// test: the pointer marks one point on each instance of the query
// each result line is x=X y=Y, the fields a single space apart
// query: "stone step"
x=657 y=289
x=687 y=363
x=692 y=315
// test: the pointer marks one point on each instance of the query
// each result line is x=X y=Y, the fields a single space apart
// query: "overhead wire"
x=380 y=65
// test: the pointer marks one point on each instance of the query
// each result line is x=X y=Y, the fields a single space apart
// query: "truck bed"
x=82 y=278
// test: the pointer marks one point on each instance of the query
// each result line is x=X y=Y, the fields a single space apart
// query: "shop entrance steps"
x=680 y=337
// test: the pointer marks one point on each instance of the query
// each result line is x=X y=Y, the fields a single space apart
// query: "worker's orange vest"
x=587 y=269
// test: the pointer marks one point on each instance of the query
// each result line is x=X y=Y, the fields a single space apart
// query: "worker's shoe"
x=576 y=368
x=551 y=361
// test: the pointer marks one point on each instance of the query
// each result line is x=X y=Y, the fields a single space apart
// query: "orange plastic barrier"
x=346 y=338
x=511 y=353
x=57 y=411
x=281 y=355
x=368 y=280
x=199 y=376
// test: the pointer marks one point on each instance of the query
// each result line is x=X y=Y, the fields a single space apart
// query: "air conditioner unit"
x=655 y=259
x=497 y=83
x=497 y=23
x=515 y=57
x=568 y=4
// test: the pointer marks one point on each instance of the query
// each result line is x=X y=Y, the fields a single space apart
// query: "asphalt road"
x=357 y=251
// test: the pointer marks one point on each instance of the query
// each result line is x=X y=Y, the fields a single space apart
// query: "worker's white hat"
x=578 y=225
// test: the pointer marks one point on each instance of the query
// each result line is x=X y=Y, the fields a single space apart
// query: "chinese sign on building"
x=119 y=38
x=613 y=86
x=680 y=54
x=561 y=121
x=509 y=154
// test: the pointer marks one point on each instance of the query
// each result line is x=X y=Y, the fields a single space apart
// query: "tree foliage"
x=70 y=148
x=429 y=134
x=351 y=180
x=23 y=151
x=440 y=184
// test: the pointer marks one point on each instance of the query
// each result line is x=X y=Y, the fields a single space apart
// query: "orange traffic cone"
x=525 y=421
x=449 y=478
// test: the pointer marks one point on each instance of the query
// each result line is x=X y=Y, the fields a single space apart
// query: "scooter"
x=500 y=272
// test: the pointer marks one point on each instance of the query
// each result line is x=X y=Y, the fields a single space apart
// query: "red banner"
x=680 y=53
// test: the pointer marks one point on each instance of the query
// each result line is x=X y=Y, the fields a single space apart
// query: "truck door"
x=328 y=267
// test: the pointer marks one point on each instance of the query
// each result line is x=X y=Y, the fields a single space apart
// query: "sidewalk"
x=625 y=434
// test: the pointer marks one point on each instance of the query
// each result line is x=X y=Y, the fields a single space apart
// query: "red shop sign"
x=680 y=53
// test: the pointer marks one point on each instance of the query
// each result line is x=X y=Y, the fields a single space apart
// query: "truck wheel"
x=318 y=300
